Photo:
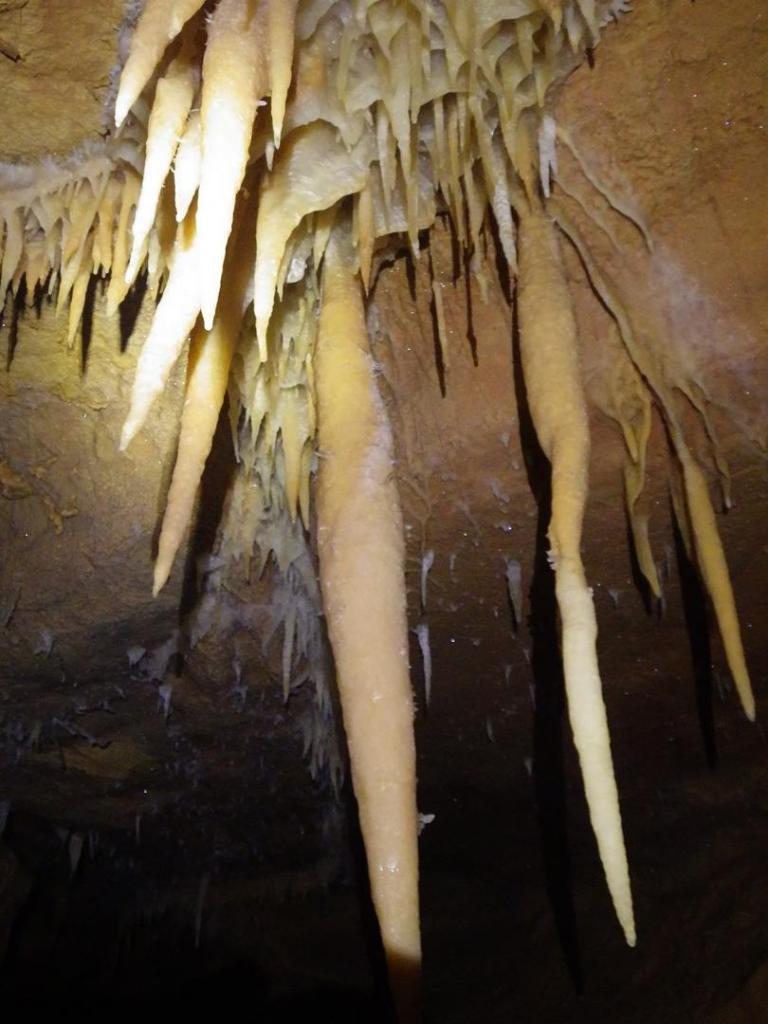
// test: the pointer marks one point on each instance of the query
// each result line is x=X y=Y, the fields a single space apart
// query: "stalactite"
x=362 y=555
x=549 y=351
x=698 y=506
x=210 y=358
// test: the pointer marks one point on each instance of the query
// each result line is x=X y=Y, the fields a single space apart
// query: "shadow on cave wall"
x=697 y=628
x=217 y=478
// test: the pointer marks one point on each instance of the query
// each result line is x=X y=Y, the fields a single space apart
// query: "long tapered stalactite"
x=549 y=351
x=362 y=574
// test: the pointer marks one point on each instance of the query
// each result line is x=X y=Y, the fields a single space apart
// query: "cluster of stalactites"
x=63 y=223
x=291 y=109
x=274 y=112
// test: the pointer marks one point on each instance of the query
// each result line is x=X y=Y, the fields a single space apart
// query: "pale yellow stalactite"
x=495 y=176
x=173 y=321
x=210 y=358
x=634 y=473
x=366 y=234
x=105 y=226
x=36 y=267
x=118 y=286
x=77 y=301
x=186 y=167
x=549 y=351
x=13 y=246
x=235 y=78
x=554 y=10
x=281 y=15
x=160 y=22
x=361 y=550
x=173 y=100
x=78 y=240
x=628 y=402
x=714 y=569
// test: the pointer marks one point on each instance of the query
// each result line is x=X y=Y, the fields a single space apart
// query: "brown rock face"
x=55 y=64
x=159 y=807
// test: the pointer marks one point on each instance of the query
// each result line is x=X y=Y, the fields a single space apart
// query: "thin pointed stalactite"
x=714 y=569
x=235 y=79
x=550 y=360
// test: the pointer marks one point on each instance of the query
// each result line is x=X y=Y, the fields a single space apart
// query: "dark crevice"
x=130 y=308
x=214 y=488
x=86 y=323
x=694 y=601
x=16 y=304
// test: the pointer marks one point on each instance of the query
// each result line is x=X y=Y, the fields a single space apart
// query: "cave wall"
x=672 y=116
